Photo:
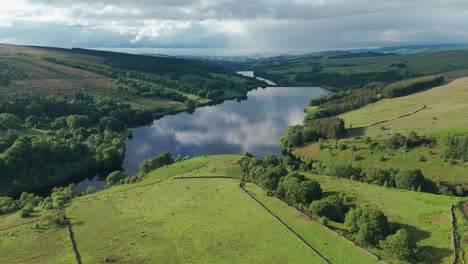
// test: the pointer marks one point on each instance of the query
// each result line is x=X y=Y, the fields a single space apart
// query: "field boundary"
x=398 y=117
x=454 y=239
x=13 y=226
x=74 y=245
x=203 y=177
x=289 y=229
x=331 y=230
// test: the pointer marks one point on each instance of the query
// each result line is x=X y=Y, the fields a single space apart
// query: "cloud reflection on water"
x=253 y=125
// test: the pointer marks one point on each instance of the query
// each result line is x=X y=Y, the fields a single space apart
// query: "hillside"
x=175 y=216
x=148 y=82
x=344 y=70
x=437 y=113
x=65 y=113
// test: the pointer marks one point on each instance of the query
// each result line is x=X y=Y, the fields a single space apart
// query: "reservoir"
x=233 y=127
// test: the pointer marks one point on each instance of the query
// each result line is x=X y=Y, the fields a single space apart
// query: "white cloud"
x=251 y=25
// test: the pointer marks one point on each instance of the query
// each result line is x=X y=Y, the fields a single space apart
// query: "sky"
x=232 y=27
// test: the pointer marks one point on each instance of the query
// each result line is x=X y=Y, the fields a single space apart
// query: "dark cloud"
x=248 y=25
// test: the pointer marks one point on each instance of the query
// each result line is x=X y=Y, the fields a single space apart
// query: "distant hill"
x=155 y=82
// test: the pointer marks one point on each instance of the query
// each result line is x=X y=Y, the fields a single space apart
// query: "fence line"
x=287 y=227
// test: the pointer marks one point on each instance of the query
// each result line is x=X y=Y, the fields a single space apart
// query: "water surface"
x=254 y=125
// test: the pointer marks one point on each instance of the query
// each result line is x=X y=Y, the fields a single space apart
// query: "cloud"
x=247 y=25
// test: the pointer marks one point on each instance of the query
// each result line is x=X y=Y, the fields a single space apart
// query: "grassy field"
x=321 y=239
x=434 y=167
x=426 y=216
x=435 y=112
x=445 y=110
x=19 y=243
x=451 y=62
x=212 y=220
x=386 y=109
x=181 y=221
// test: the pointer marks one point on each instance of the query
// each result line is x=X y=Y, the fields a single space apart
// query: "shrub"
x=8 y=205
x=331 y=207
x=115 y=178
x=90 y=189
x=54 y=218
x=399 y=246
x=26 y=211
x=368 y=225
x=163 y=159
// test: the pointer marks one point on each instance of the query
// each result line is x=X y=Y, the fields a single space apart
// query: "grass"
x=212 y=220
x=445 y=110
x=19 y=243
x=153 y=102
x=436 y=112
x=181 y=221
x=434 y=168
x=321 y=239
x=426 y=216
x=454 y=63
x=386 y=109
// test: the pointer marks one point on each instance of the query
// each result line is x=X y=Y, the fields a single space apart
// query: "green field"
x=386 y=109
x=324 y=241
x=182 y=221
x=445 y=110
x=435 y=112
x=434 y=168
x=198 y=220
x=19 y=243
x=454 y=63
x=426 y=216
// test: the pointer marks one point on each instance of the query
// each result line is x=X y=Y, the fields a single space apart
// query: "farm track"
x=402 y=116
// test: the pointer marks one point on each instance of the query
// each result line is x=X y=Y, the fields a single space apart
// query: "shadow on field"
x=354 y=132
x=426 y=253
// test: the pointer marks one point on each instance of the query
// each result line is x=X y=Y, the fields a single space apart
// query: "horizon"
x=232 y=28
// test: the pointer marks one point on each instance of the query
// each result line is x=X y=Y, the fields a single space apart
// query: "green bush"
x=400 y=246
x=368 y=225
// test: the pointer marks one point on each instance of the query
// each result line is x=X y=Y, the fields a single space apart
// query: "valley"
x=169 y=160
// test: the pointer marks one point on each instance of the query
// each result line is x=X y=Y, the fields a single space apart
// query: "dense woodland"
x=76 y=137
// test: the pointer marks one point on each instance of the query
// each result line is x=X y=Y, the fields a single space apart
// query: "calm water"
x=233 y=127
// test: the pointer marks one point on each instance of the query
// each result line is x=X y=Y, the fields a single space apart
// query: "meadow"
x=326 y=242
x=444 y=111
x=426 y=216
x=182 y=220
x=433 y=167
x=20 y=243
x=286 y=70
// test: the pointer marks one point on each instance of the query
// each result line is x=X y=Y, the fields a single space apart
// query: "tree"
x=270 y=160
x=409 y=179
x=114 y=178
x=190 y=103
x=10 y=121
x=331 y=207
x=399 y=246
x=368 y=225
x=77 y=121
x=309 y=191
x=164 y=158
x=110 y=122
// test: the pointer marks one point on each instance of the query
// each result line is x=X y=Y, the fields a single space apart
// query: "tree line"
x=410 y=86
x=280 y=177
x=313 y=130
